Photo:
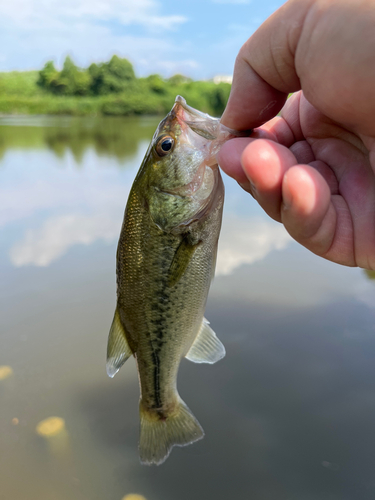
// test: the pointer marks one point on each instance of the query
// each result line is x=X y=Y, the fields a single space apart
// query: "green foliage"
x=19 y=83
x=48 y=75
x=70 y=81
x=102 y=79
x=156 y=84
x=109 y=88
x=111 y=77
x=218 y=97
x=121 y=69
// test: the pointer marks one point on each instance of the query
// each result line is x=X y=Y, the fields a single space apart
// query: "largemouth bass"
x=165 y=263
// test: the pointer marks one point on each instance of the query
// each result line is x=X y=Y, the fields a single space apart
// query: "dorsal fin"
x=206 y=348
x=118 y=350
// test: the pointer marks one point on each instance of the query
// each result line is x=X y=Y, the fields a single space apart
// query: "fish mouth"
x=203 y=124
x=180 y=102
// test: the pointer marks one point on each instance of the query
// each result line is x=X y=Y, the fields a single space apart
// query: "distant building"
x=222 y=79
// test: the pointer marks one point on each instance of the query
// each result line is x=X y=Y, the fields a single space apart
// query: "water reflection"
x=243 y=240
x=288 y=414
x=110 y=136
x=247 y=239
x=68 y=208
x=5 y=372
x=53 y=431
x=53 y=239
x=114 y=137
x=133 y=496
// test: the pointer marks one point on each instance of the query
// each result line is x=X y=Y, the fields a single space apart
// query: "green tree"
x=48 y=76
x=218 y=96
x=121 y=68
x=72 y=80
x=156 y=84
x=111 y=77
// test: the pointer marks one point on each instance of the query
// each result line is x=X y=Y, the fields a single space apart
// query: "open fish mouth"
x=203 y=124
x=192 y=111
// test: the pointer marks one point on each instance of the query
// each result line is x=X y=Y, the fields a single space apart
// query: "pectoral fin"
x=181 y=260
x=206 y=348
x=118 y=350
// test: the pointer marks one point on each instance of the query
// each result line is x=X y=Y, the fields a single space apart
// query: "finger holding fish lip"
x=259 y=166
x=265 y=164
x=287 y=190
x=229 y=159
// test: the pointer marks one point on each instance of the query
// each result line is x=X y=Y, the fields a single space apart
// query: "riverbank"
x=20 y=94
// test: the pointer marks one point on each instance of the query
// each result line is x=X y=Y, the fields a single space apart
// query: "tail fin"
x=158 y=435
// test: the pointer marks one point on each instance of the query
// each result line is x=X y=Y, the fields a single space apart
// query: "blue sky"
x=199 y=38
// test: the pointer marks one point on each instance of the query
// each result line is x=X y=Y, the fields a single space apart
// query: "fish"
x=165 y=264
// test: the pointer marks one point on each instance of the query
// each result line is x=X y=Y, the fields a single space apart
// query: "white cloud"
x=36 y=14
x=152 y=31
x=246 y=240
x=34 y=31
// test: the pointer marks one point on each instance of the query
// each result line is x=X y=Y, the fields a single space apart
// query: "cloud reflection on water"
x=42 y=246
x=57 y=209
x=243 y=240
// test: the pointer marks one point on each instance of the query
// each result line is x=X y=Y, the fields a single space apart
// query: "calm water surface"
x=289 y=414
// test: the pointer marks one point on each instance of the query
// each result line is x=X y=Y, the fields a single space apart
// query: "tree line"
x=122 y=93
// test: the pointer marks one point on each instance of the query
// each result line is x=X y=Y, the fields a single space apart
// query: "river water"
x=289 y=414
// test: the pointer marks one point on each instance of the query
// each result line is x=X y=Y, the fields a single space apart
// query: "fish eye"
x=164 y=145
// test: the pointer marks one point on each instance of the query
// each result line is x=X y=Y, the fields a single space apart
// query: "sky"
x=198 y=38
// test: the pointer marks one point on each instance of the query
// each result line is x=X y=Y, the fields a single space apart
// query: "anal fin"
x=118 y=350
x=206 y=348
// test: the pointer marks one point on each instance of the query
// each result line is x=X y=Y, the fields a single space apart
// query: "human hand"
x=312 y=167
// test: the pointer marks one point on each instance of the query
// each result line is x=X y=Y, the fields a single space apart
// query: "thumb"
x=264 y=73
